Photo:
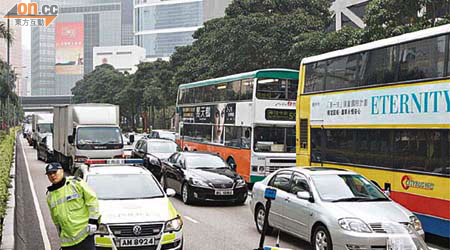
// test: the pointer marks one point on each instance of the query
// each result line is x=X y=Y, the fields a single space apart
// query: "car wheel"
x=322 y=239
x=186 y=194
x=260 y=213
x=241 y=200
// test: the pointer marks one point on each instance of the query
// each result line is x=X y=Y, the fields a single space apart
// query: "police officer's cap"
x=52 y=167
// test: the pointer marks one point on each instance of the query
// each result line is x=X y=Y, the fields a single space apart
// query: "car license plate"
x=224 y=192
x=394 y=244
x=135 y=242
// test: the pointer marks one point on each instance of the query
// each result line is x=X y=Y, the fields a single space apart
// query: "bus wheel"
x=232 y=163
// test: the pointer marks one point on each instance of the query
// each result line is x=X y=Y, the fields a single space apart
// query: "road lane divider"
x=47 y=245
x=190 y=219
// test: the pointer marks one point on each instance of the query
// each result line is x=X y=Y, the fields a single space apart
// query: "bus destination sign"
x=280 y=114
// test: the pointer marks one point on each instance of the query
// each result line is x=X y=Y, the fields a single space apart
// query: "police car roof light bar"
x=114 y=161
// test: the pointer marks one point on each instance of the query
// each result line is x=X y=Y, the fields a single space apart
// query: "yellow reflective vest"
x=72 y=206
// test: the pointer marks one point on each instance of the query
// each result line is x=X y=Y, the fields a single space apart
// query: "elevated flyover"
x=43 y=103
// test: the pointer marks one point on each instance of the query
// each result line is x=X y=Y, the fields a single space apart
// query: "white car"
x=135 y=211
x=335 y=209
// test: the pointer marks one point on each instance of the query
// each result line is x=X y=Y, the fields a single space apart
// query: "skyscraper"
x=162 y=25
x=16 y=45
x=63 y=52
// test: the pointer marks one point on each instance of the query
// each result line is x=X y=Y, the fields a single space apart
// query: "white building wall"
x=122 y=58
x=345 y=9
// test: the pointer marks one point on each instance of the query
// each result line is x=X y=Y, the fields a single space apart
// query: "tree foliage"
x=254 y=34
x=387 y=18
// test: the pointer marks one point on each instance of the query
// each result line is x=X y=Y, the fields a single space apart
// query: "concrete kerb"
x=8 y=223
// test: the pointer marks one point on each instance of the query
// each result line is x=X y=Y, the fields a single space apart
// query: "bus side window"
x=246 y=89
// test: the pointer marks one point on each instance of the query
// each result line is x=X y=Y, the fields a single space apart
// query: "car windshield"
x=346 y=187
x=167 y=135
x=49 y=141
x=45 y=128
x=204 y=161
x=274 y=139
x=162 y=147
x=124 y=186
x=99 y=135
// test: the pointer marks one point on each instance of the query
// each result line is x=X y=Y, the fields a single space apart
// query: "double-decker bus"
x=248 y=118
x=383 y=109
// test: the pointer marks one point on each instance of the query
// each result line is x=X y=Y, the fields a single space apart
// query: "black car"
x=45 y=149
x=153 y=151
x=203 y=176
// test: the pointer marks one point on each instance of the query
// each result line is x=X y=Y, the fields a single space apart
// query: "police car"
x=135 y=211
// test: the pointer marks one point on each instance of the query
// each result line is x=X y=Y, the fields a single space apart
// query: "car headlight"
x=240 y=183
x=154 y=160
x=199 y=183
x=174 y=225
x=416 y=223
x=102 y=229
x=354 y=224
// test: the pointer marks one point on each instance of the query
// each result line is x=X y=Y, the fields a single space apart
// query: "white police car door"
x=296 y=209
x=277 y=216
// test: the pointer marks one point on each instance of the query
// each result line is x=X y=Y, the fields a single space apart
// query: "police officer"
x=74 y=209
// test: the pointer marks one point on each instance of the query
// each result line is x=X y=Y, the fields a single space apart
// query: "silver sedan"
x=335 y=209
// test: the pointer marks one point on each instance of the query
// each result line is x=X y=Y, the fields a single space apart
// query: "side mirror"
x=131 y=139
x=70 y=139
x=170 y=192
x=304 y=195
x=34 y=130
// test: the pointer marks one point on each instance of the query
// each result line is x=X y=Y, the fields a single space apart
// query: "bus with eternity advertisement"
x=383 y=109
x=248 y=119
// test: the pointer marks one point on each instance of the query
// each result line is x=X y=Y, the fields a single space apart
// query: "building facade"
x=349 y=12
x=122 y=58
x=214 y=8
x=15 y=50
x=160 y=25
x=80 y=26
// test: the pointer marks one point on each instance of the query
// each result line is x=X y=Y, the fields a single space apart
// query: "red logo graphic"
x=405 y=181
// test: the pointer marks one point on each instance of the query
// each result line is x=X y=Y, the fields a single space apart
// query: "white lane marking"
x=36 y=203
x=190 y=219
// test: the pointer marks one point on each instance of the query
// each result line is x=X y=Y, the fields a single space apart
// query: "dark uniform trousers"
x=86 y=244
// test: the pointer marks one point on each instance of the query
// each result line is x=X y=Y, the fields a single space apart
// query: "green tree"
x=128 y=99
x=384 y=18
x=387 y=18
x=155 y=78
x=103 y=85
x=5 y=33
x=255 y=34
x=99 y=86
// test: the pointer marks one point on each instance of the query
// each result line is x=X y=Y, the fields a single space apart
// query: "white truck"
x=41 y=125
x=86 y=131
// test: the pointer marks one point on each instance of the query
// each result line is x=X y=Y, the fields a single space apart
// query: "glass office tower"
x=63 y=53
